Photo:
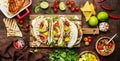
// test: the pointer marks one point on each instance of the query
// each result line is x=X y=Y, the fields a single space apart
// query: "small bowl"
x=102 y=51
x=19 y=44
x=80 y=55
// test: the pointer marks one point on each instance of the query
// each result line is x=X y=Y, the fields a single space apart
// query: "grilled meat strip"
x=15 y=5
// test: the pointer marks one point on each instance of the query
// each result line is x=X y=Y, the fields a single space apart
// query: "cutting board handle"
x=24 y=15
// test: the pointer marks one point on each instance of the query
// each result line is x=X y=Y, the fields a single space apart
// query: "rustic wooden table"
x=114 y=28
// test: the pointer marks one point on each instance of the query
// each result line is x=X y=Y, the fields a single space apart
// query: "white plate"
x=6 y=13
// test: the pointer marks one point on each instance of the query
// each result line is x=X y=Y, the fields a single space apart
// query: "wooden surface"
x=114 y=28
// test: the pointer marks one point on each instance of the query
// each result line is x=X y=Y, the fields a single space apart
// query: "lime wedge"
x=44 y=5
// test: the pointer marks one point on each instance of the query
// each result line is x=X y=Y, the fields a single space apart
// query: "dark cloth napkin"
x=9 y=53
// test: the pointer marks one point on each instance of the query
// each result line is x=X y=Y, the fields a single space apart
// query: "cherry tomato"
x=57 y=6
x=21 y=22
x=72 y=2
x=27 y=25
x=89 y=40
x=55 y=10
x=77 y=8
x=73 y=9
x=69 y=6
x=85 y=39
x=67 y=2
x=26 y=30
x=56 y=2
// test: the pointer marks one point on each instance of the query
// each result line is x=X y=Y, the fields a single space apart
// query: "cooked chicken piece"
x=15 y=5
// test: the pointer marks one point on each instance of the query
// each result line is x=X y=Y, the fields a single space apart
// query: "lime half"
x=44 y=5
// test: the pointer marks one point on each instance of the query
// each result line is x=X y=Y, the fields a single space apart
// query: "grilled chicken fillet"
x=15 y=5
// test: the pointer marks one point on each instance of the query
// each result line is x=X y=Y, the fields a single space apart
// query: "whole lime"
x=102 y=16
x=93 y=21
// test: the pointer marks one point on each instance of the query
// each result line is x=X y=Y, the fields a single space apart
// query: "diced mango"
x=67 y=39
x=66 y=28
x=54 y=32
x=55 y=38
x=46 y=33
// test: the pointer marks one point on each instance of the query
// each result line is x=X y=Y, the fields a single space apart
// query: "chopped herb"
x=56 y=18
x=71 y=19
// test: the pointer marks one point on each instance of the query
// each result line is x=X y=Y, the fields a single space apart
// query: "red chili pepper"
x=105 y=7
x=94 y=4
x=113 y=16
x=100 y=1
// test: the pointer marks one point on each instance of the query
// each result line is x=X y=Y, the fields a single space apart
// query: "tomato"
x=72 y=2
x=55 y=10
x=85 y=39
x=69 y=6
x=77 y=8
x=79 y=35
x=55 y=29
x=100 y=47
x=21 y=22
x=27 y=25
x=67 y=23
x=26 y=30
x=57 y=6
x=56 y=2
x=56 y=24
x=89 y=40
x=67 y=2
x=42 y=38
x=73 y=9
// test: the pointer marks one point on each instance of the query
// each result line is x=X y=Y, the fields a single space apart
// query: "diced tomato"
x=67 y=23
x=79 y=35
x=42 y=38
x=55 y=29
x=56 y=24
x=41 y=24
x=100 y=47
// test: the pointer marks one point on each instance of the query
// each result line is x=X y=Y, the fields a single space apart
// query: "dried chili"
x=100 y=1
x=113 y=16
x=94 y=4
x=105 y=7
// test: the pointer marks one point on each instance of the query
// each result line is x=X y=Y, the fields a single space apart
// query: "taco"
x=70 y=32
x=41 y=29
x=79 y=37
x=56 y=32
